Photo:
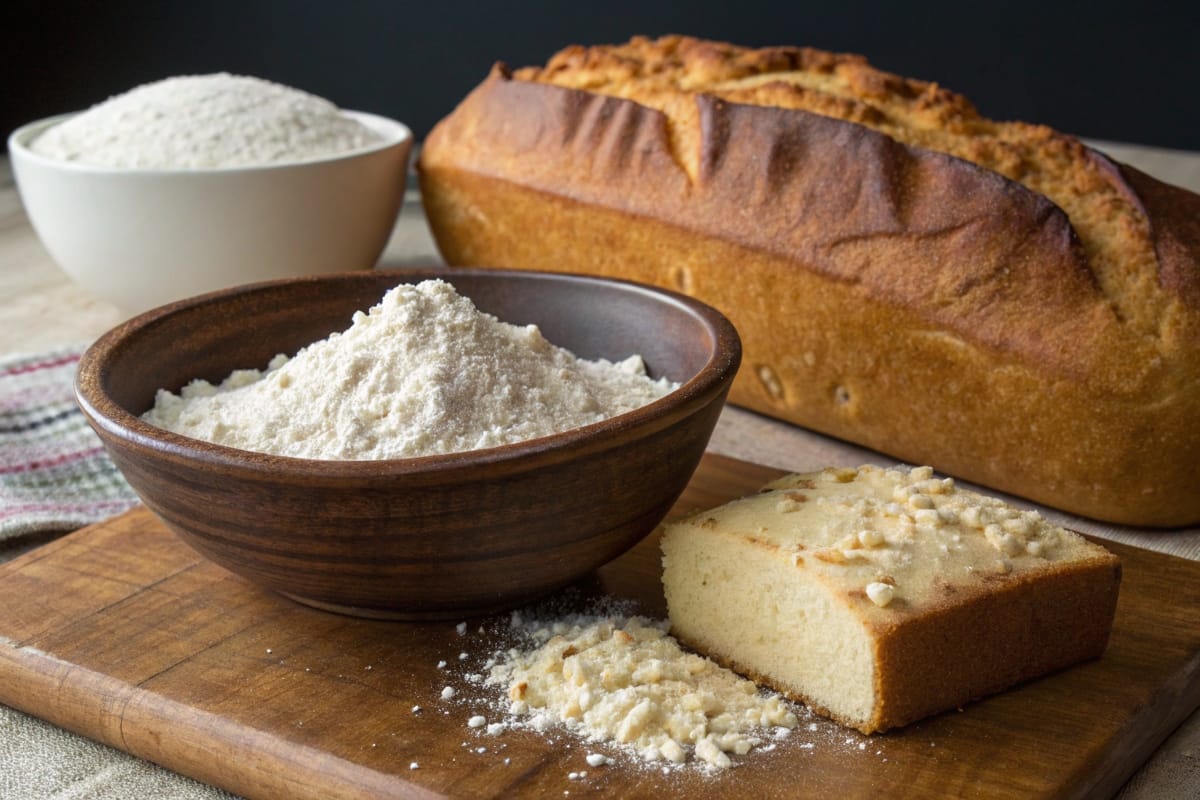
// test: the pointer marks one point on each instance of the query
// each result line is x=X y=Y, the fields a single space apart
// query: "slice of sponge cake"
x=881 y=596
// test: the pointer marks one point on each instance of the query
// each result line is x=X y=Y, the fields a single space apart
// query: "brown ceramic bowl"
x=418 y=538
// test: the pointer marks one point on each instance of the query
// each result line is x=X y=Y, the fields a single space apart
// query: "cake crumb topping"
x=881 y=594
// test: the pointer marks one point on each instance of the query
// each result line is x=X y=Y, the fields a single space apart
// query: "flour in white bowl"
x=424 y=372
x=205 y=122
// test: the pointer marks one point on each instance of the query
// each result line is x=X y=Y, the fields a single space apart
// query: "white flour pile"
x=623 y=680
x=422 y=373
x=205 y=122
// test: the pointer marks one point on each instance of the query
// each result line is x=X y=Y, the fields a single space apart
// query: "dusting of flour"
x=422 y=373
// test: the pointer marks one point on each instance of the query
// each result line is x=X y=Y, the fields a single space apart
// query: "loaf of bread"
x=879 y=597
x=995 y=299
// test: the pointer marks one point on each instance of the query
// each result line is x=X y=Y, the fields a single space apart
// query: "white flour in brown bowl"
x=422 y=373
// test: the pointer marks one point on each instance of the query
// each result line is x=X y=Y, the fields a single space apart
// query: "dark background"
x=1125 y=71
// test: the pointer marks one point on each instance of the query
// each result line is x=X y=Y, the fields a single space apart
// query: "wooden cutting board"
x=122 y=633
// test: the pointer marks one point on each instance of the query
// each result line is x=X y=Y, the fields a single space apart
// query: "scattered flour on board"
x=205 y=122
x=424 y=372
x=623 y=680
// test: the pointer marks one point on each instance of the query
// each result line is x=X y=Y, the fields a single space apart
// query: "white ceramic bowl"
x=140 y=238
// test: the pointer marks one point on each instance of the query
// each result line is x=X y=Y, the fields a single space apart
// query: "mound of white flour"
x=205 y=121
x=422 y=373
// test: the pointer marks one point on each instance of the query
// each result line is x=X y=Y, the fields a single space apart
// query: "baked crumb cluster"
x=624 y=680
x=889 y=524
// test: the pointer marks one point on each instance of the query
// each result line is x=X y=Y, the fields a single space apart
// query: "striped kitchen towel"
x=54 y=474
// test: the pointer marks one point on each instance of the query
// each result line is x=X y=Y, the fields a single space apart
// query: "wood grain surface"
x=122 y=633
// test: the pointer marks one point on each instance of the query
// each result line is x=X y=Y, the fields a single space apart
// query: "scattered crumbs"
x=461 y=628
x=514 y=639
x=414 y=765
x=268 y=651
x=549 y=671
x=416 y=709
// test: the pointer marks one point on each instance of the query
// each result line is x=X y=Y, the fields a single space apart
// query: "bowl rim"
x=712 y=380
x=396 y=135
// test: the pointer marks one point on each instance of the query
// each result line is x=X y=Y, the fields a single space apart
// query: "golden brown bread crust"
x=886 y=293
x=948 y=656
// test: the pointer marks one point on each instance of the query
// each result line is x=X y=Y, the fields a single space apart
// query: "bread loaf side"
x=995 y=299
x=879 y=597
